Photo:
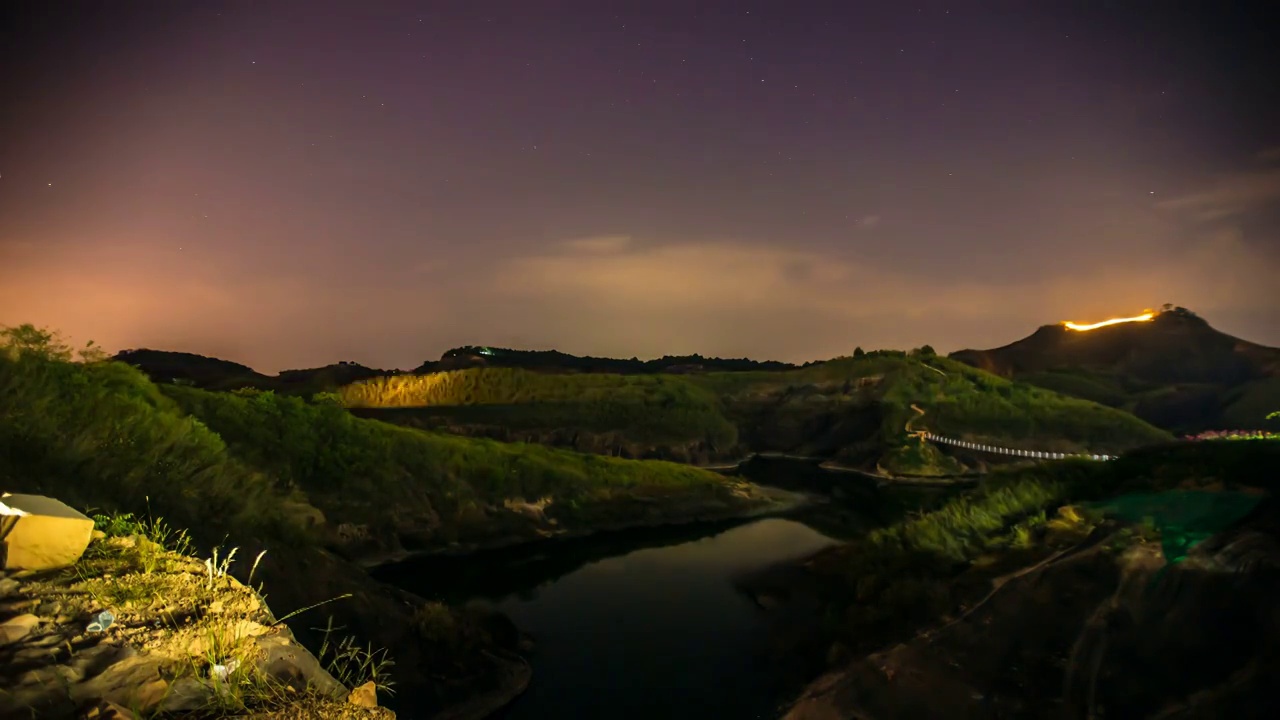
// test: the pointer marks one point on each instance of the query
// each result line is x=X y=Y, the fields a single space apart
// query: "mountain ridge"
x=1172 y=368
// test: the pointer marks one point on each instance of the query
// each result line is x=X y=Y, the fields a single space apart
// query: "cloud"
x=741 y=299
x=869 y=221
x=599 y=244
x=1233 y=194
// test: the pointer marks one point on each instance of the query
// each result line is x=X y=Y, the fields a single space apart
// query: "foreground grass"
x=903 y=576
x=200 y=624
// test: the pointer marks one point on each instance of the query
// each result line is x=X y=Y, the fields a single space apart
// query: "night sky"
x=288 y=184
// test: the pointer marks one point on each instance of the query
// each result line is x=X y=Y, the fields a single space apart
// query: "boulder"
x=40 y=533
x=365 y=696
x=14 y=629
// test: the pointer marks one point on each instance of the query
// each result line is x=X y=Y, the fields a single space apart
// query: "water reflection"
x=654 y=623
x=634 y=625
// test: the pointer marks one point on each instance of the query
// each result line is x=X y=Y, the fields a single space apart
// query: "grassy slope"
x=959 y=401
x=102 y=434
x=338 y=459
x=650 y=408
x=1249 y=405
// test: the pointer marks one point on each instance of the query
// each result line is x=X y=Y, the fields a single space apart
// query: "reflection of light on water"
x=758 y=543
x=659 y=632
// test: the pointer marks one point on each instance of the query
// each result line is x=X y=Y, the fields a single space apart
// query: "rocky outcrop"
x=441 y=668
x=1110 y=626
x=131 y=629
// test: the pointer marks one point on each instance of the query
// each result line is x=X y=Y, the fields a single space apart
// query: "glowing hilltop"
x=1147 y=316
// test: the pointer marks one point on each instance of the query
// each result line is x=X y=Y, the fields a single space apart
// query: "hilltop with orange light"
x=1168 y=367
x=1146 y=316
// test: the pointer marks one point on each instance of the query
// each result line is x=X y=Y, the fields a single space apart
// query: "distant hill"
x=555 y=361
x=163 y=366
x=210 y=373
x=858 y=411
x=1170 y=368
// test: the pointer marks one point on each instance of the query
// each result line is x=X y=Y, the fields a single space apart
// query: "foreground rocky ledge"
x=133 y=630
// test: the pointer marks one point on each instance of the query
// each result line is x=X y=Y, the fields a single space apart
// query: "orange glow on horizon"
x=1147 y=316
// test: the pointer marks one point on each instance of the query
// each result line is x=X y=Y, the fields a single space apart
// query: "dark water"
x=654 y=632
x=650 y=623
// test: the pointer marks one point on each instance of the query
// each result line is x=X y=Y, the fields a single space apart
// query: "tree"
x=927 y=351
x=27 y=339
x=858 y=352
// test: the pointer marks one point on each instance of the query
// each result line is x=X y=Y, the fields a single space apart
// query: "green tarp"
x=1185 y=518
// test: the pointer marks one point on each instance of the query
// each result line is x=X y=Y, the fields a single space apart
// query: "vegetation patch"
x=721 y=407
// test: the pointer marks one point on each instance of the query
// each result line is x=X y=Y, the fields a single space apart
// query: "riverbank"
x=754 y=501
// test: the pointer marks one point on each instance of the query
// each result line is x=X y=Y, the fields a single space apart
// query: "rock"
x=134 y=681
x=40 y=533
x=107 y=710
x=365 y=696
x=186 y=695
x=14 y=629
x=8 y=586
x=291 y=664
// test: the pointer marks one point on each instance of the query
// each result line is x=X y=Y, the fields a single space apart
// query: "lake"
x=635 y=624
x=650 y=623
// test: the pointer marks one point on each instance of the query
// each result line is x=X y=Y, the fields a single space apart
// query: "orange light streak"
x=1147 y=316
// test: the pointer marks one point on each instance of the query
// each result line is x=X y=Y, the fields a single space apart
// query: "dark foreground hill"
x=1173 y=370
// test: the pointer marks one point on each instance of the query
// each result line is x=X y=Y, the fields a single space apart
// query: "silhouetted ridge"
x=209 y=373
x=169 y=366
x=1177 y=346
x=1175 y=370
x=556 y=361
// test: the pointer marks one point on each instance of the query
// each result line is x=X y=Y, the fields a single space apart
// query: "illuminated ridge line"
x=1144 y=317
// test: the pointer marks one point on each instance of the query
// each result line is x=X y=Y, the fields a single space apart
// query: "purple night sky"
x=288 y=184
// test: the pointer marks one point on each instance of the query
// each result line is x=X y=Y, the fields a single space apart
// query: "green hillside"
x=648 y=408
x=102 y=434
x=850 y=408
